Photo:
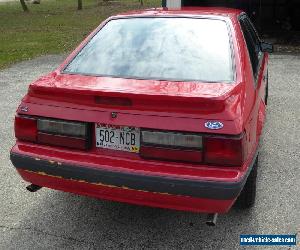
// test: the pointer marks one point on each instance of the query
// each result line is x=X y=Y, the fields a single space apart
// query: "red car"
x=162 y=108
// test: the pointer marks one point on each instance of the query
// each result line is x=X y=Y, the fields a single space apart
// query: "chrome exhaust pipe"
x=211 y=219
x=33 y=188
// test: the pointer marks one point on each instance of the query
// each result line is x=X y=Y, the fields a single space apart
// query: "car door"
x=259 y=61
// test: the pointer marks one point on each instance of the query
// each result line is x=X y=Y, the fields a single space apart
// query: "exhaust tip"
x=211 y=220
x=33 y=188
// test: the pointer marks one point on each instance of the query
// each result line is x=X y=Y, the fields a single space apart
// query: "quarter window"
x=252 y=41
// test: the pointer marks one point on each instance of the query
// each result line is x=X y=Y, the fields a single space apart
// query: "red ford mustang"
x=162 y=108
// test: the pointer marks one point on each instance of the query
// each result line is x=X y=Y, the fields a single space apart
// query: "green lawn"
x=54 y=26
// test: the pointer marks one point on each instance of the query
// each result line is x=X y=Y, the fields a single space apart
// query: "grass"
x=54 y=26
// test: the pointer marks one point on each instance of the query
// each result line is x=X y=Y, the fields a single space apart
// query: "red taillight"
x=63 y=141
x=171 y=154
x=213 y=150
x=52 y=132
x=170 y=145
x=223 y=151
x=26 y=128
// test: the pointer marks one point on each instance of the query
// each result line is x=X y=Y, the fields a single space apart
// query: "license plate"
x=118 y=138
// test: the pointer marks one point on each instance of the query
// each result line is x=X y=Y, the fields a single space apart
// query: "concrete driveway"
x=52 y=219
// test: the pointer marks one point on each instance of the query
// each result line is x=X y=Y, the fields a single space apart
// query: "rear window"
x=178 y=49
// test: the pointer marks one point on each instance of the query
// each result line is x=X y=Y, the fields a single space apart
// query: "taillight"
x=25 y=128
x=62 y=127
x=53 y=132
x=223 y=151
x=63 y=141
x=190 y=147
x=171 y=154
x=172 y=146
x=172 y=139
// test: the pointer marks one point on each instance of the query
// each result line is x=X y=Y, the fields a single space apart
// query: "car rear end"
x=194 y=171
x=142 y=137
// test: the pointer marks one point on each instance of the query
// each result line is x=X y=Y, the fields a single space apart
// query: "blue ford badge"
x=214 y=125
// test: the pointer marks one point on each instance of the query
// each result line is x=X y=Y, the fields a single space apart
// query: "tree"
x=79 y=5
x=24 y=6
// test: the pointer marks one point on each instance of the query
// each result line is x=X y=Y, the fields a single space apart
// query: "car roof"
x=189 y=11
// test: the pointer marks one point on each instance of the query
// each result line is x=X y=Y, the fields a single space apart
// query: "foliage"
x=54 y=26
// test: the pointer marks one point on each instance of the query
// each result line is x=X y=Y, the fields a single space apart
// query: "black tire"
x=247 y=196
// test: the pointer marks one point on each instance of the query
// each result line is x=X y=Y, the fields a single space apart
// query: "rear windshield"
x=179 y=49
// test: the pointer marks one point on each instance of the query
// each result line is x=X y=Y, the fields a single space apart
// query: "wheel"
x=247 y=196
x=267 y=90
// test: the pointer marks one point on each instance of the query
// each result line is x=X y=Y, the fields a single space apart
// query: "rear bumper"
x=152 y=190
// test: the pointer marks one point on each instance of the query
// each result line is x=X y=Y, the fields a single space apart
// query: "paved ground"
x=50 y=219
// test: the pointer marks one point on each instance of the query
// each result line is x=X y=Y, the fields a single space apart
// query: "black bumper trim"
x=156 y=184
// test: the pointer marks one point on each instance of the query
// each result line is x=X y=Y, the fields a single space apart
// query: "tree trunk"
x=79 y=6
x=24 y=6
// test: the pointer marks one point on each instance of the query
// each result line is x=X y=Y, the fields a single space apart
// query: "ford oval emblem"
x=214 y=125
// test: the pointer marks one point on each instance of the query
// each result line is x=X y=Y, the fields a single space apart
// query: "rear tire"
x=247 y=196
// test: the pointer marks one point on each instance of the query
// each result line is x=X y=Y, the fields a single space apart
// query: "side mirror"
x=266 y=47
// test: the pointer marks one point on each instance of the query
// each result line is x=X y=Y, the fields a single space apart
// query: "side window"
x=252 y=41
x=253 y=35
